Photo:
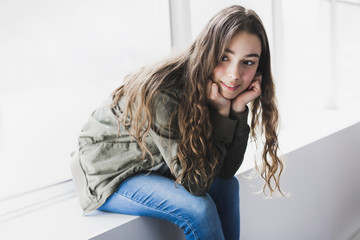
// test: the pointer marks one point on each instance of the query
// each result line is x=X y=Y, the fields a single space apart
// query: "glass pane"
x=199 y=16
x=58 y=61
x=348 y=49
x=306 y=59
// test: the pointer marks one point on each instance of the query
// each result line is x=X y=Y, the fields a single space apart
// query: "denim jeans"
x=215 y=215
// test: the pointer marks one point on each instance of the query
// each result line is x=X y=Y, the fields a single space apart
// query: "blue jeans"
x=215 y=215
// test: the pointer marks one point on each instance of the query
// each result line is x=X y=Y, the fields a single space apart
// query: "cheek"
x=248 y=76
x=218 y=73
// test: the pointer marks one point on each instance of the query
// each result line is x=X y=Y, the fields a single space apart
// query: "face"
x=238 y=66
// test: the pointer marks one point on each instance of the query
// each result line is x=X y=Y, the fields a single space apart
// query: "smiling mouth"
x=230 y=87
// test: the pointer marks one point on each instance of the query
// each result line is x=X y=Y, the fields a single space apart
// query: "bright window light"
x=58 y=61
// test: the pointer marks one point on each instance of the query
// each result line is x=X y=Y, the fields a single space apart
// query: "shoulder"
x=164 y=107
x=173 y=93
x=167 y=98
x=165 y=102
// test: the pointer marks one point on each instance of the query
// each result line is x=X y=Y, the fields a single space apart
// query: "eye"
x=248 y=63
x=225 y=58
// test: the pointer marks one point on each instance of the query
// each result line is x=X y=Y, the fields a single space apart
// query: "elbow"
x=195 y=189
x=226 y=175
x=198 y=192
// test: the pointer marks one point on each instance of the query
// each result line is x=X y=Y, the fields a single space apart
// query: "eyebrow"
x=248 y=55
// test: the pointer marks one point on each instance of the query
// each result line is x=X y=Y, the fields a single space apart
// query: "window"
x=348 y=55
x=306 y=67
x=318 y=61
x=199 y=17
x=58 y=61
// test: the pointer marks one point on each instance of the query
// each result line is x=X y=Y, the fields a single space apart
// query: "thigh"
x=150 y=190
x=156 y=196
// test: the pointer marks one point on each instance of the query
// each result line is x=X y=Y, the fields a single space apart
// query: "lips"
x=229 y=86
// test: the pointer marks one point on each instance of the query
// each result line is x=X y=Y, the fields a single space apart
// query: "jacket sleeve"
x=236 y=150
x=165 y=136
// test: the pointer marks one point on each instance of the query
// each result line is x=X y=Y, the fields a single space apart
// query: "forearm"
x=235 y=154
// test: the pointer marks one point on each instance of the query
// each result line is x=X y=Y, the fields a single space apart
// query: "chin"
x=228 y=96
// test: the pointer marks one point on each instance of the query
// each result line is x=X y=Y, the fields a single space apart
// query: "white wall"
x=322 y=179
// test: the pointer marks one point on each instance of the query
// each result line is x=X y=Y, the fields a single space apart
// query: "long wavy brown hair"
x=190 y=71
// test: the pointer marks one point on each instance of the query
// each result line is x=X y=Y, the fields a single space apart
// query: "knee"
x=202 y=208
x=234 y=188
x=203 y=220
x=225 y=190
x=233 y=182
x=197 y=216
x=227 y=183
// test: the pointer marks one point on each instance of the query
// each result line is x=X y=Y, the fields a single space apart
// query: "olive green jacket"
x=107 y=154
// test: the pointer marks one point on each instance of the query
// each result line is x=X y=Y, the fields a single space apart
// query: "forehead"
x=244 y=43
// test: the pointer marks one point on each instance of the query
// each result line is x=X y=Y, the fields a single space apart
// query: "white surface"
x=322 y=183
x=60 y=220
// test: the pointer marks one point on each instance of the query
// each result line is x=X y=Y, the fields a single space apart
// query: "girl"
x=184 y=121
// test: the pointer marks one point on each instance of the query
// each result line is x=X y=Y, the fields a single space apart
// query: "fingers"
x=258 y=77
x=212 y=90
x=216 y=100
x=208 y=87
x=256 y=82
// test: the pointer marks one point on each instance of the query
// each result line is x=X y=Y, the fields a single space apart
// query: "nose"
x=233 y=71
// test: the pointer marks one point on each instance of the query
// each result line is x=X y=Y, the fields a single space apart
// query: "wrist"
x=224 y=112
x=240 y=108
